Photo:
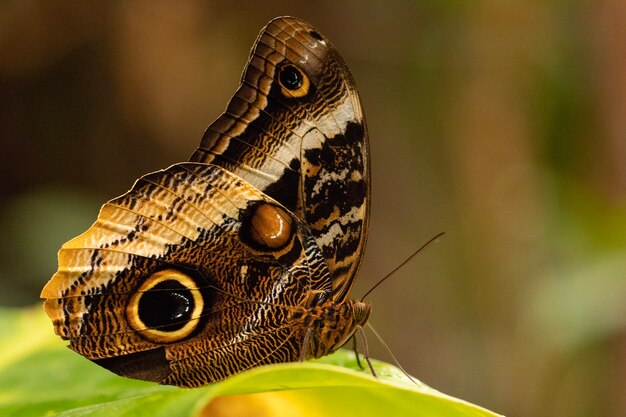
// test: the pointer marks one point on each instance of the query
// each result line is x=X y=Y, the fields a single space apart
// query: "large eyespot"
x=267 y=227
x=166 y=308
x=293 y=82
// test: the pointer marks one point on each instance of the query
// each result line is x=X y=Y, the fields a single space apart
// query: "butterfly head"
x=360 y=311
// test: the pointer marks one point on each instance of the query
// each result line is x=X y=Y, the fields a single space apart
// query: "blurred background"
x=501 y=123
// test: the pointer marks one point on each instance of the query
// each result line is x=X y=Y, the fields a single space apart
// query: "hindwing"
x=189 y=230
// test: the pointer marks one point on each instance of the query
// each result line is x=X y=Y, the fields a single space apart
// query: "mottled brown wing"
x=189 y=277
x=295 y=130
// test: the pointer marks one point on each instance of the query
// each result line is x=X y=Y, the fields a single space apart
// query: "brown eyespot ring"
x=293 y=82
x=166 y=307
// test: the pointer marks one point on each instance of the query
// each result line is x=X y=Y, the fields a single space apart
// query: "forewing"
x=305 y=147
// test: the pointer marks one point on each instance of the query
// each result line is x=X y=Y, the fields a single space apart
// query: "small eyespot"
x=293 y=82
x=270 y=226
x=266 y=227
x=166 y=308
x=317 y=37
x=290 y=78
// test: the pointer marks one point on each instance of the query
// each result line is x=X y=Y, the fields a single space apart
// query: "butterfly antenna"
x=403 y=263
x=392 y=355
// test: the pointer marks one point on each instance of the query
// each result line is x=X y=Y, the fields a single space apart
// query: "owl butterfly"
x=245 y=255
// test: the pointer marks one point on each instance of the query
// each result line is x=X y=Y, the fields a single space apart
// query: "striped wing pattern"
x=309 y=153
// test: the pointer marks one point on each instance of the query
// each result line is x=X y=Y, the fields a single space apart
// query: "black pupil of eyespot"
x=167 y=306
x=290 y=78
x=316 y=36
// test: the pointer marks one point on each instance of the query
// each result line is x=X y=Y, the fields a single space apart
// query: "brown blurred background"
x=501 y=123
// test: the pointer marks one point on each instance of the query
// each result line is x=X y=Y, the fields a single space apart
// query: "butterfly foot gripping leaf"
x=244 y=256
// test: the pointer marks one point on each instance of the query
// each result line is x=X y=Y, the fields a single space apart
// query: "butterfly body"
x=331 y=325
x=243 y=256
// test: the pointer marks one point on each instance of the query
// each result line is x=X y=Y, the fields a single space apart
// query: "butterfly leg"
x=356 y=353
x=366 y=353
x=305 y=344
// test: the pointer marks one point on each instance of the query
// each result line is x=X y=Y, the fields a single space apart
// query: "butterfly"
x=246 y=254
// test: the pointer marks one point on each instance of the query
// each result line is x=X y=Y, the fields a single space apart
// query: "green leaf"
x=40 y=377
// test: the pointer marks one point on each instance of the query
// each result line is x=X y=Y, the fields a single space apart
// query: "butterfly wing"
x=206 y=269
x=295 y=130
x=189 y=277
